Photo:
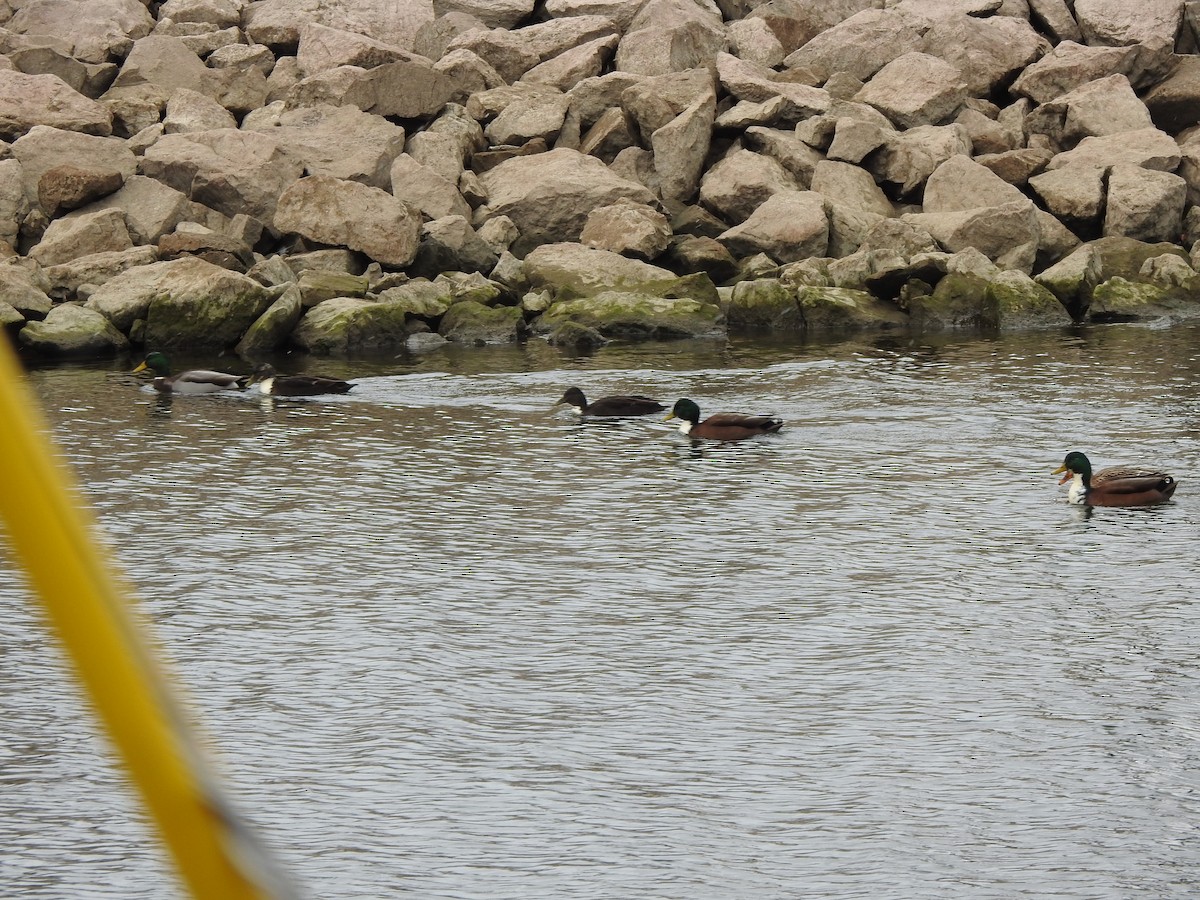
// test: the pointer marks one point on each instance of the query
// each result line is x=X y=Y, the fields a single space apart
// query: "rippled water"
x=449 y=642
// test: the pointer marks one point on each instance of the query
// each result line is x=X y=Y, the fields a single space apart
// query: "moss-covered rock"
x=319 y=285
x=470 y=322
x=631 y=314
x=1119 y=300
x=763 y=303
x=210 y=312
x=1123 y=257
x=836 y=308
x=346 y=325
x=421 y=298
x=572 y=334
x=1073 y=279
x=72 y=330
x=272 y=329
x=1023 y=303
x=472 y=286
x=959 y=301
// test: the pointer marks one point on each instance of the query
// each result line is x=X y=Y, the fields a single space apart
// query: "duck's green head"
x=685 y=409
x=1074 y=464
x=156 y=362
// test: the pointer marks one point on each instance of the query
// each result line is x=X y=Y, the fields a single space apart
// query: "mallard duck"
x=1114 y=486
x=618 y=405
x=274 y=384
x=193 y=381
x=721 y=426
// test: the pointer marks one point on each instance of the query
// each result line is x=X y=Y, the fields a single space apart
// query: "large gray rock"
x=1104 y=106
x=23 y=292
x=671 y=36
x=571 y=66
x=549 y=196
x=741 y=182
x=426 y=189
x=570 y=269
x=352 y=215
x=151 y=208
x=787 y=226
x=1070 y=65
x=322 y=48
x=71 y=330
x=535 y=112
x=277 y=23
x=64 y=280
x=44 y=148
x=340 y=141
x=908 y=158
x=450 y=244
x=80 y=234
x=628 y=228
x=1008 y=234
x=915 y=89
x=861 y=45
x=228 y=170
x=189 y=110
x=988 y=52
x=680 y=148
x=1074 y=194
x=410 y=88
x=1118 y=23
x=29 y=100
x=1144 y=204
x=1147 y=147
x=93 y=32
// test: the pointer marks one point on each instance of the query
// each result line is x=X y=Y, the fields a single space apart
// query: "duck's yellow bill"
x=142 y=367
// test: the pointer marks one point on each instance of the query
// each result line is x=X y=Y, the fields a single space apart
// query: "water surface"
x=448 y=641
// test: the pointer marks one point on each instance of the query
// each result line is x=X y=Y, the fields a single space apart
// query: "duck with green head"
x=1114 y=486
x=192 y=381
x=721 y=426
x=273 y=384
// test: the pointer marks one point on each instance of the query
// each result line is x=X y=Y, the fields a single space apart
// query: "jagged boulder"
x=229 y=170
x=271 y=330
x=628 y=228
x=348 y=214
x=22 y=291
x=1144 y=204
x=550 y=195
x=787 y=226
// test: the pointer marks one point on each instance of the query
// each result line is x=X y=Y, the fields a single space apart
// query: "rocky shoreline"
x=342 y=176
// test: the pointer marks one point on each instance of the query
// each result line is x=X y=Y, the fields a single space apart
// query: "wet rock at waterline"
x=579 y=172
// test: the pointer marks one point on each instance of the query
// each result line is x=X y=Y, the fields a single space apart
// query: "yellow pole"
x=51 y=534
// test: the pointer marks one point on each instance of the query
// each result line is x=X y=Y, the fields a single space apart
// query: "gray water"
x=448 y=642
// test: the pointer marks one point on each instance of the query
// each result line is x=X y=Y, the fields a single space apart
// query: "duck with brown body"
x=273 y=384
x=616 y=405
x=721 y=426
x=191 y=381
x=1114 y=486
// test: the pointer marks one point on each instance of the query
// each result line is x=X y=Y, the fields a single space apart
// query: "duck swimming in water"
x=721 y=426
x=1114 y=486
x=616 y=405
x=192 y=381
x=272 y=383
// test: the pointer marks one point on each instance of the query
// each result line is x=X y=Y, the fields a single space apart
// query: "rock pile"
x=353 y=175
